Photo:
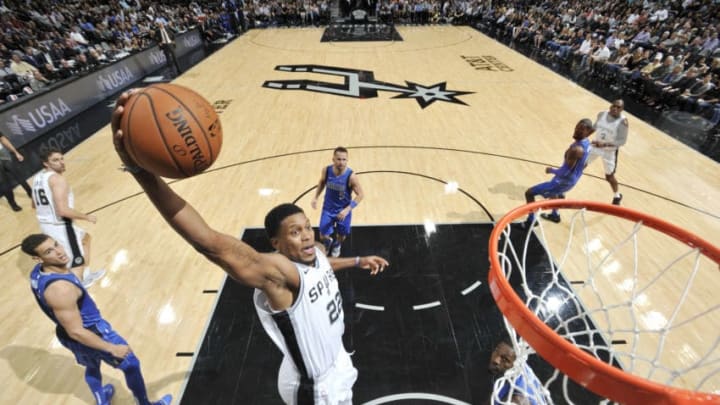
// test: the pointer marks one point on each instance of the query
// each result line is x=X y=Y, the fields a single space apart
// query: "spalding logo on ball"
x=171 y=131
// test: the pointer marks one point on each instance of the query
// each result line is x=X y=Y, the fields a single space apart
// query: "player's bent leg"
x=529 y=195
x=542 y=189
x=93 y=378
x=325 y=229
x=88 y=277
x=343 y=230
x=617 y=197
x=85 y=242
x=130 y=367
x=610 y=161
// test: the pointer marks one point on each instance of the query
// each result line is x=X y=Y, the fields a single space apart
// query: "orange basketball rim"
x=583 y=368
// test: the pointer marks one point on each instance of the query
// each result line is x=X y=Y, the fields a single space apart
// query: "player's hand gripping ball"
x=171 y=131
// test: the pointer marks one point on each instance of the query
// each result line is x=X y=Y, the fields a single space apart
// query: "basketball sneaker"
x=108 y=392
x=335 y=251
x=166 y=400
x=90 y=277
x=616 y=200
x=551 y=217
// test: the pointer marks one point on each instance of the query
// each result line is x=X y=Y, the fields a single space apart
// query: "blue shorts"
x=329 y=222
x=90 y=357
x=550 y=189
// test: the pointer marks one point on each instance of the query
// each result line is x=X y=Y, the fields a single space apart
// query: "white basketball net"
x=608 y=289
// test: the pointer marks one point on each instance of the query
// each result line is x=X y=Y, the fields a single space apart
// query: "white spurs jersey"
x=314 y=324
x=42 y=195
x=607 y=128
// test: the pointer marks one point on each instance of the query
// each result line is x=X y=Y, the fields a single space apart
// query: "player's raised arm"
x=238 y=259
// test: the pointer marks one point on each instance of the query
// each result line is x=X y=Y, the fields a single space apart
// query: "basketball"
x=171 y=131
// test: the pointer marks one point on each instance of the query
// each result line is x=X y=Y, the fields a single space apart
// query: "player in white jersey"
x=309 y=334
x=54 y=204
x=297 y=298
x=611 y=131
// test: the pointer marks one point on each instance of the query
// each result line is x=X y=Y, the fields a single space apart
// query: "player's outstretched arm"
x=243 y=263
x=375 y=264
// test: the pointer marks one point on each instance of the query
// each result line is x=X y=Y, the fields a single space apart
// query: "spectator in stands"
x=692 y=98
x=642 y=38
x=165 y=38
x=711 y=42
x=671 y=93
x=77 y=36
x=600 y=56
x=27 y=72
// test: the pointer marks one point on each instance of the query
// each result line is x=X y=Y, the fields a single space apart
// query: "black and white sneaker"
x=551 y=217
x=616 y=200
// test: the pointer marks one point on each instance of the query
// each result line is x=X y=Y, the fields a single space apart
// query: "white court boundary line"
x=370 y=307
x=471 y=288
x=427 y=305
x=415 y=395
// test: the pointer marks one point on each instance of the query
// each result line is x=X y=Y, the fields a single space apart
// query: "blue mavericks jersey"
x=337 y=190
x=570 y=175
x=89 y=312
x=526 y=385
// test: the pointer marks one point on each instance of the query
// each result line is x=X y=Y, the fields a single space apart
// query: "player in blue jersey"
x=523 y=388
x=79 y=325
x=566 y=176
x=336 y=215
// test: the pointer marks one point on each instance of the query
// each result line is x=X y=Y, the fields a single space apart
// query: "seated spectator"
x=27 y=72
x=692 y=99
x=95 y=57
x=33 y=57
x=711 y=42
x=77 y=36
x=642 y=38
x=655 y=91
x=82 y=64
x=61 y=72
x=600 y=55
x=672 y=92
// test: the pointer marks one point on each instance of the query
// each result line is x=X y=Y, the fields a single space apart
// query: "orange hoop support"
x=583 y=368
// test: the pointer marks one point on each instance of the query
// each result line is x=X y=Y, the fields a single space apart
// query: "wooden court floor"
x=518 y=119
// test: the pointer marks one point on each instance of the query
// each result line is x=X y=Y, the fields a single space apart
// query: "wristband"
x=353 y=204
x=357 y=260
x=132 y=169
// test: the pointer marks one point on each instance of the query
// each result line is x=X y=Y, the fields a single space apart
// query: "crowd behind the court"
x=45 y=42
x=663 y=53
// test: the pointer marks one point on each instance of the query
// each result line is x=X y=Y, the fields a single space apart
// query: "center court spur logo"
x=362 y=84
